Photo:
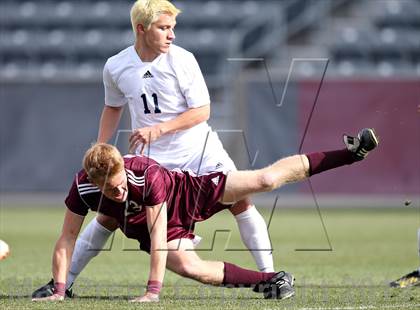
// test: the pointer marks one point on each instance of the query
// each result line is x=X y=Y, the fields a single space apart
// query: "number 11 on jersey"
x=155 y=101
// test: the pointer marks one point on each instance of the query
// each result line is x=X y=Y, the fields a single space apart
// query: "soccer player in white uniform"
x=169 y=105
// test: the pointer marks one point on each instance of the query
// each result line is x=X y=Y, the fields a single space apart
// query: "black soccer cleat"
x=280 y=286
x=409 y=280
x=48 y=290
x=366 y=141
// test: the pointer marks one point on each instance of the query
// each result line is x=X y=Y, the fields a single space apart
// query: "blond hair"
x=102 y=161
x=146 y=12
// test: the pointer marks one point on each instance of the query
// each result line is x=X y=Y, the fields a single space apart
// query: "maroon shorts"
x=195 y=200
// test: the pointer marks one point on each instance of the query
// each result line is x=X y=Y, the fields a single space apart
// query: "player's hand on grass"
x=148 y=297
x=54 y=297
x=144 y=136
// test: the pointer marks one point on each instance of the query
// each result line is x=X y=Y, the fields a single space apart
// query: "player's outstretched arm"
x=62 y=254
x=110 y=119
x=156 y=222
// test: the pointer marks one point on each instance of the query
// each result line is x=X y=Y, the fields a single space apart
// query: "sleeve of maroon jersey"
x=155 y=187
x=74 y=202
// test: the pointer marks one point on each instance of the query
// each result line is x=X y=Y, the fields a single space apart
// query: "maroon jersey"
x=189 y=198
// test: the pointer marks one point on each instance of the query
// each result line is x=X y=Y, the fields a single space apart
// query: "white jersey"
x=159 y=91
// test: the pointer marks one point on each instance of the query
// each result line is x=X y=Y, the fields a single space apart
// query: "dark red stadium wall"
x=345 y=106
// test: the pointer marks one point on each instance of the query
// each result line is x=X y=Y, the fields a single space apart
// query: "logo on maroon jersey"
x=132 y=207
x=215 y=180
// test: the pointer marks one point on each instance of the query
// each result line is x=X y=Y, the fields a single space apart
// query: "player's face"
x=116 y=187
x=159 y=37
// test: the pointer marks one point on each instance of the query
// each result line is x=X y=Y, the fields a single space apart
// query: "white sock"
x=88 y=245
x=255 y=236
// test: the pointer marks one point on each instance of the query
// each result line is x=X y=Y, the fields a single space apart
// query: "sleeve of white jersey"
x=113 y=95
x=192 y=83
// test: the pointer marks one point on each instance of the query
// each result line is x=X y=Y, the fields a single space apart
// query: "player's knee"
x=266 y=181
x=241 y=206
x=107 y=222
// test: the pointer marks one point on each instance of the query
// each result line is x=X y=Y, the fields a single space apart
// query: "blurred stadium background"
x=52 y=54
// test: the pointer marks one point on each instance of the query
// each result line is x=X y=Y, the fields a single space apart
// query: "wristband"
x=59 y=288
x=154 y=287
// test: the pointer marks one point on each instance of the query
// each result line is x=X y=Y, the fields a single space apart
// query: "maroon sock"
x=322 y=161
x=238 y=276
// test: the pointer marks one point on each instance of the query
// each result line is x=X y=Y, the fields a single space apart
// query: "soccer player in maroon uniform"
x=159 y=208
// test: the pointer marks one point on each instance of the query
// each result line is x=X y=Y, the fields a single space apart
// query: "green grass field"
x=369 y=248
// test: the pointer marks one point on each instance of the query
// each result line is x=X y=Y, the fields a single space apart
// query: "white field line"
x=401 y=306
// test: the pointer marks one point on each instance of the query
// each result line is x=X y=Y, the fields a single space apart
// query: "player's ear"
x=140 y=28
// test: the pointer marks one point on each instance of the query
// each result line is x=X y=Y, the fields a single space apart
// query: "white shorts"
x=214 y=158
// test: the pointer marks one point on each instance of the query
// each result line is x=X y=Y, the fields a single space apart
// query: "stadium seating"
x=84 y=33
x=388 y=40
x=36 y=34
